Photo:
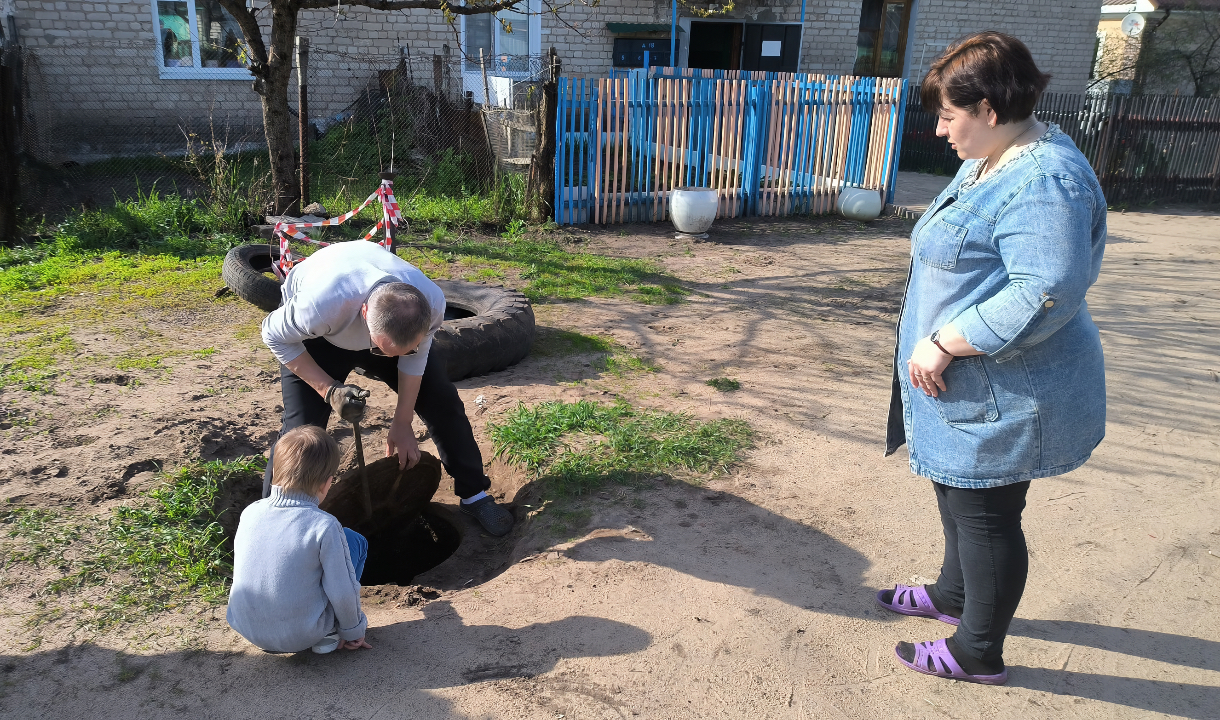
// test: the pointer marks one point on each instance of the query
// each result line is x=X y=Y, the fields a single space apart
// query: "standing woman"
x=998 y=370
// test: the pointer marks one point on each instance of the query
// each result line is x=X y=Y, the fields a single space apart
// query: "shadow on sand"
x=397 y=679
x=735 y=542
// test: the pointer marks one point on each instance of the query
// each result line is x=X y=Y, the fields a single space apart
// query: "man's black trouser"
x=985 y=564
x=438 y=405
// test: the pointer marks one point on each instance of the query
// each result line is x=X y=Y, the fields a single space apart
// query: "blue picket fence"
x=769 y=143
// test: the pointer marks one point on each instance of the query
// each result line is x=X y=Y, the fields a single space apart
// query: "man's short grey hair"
x=400 y=312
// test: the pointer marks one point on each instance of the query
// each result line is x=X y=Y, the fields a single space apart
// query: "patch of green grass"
x=29 y=360
x=515 y=232
x=552 y=341
x=154 y=252
x=724 y=384
x=42 y=535
x=486 y=273
x=554 y=272
x=175 y=540
x=150 y=222
x=620 y=364
x=611 y=357
x=41 y=300
x=578 y=447
x=663 y=294
x=139 y=362
x=148 y=556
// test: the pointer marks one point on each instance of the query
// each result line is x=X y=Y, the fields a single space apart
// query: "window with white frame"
x=197 y=39
x=505 y=39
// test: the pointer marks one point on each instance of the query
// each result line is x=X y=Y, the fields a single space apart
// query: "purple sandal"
x=946 y=666
x=914 y=601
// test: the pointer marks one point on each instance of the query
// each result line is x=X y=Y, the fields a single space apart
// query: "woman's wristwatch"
x=935 y=338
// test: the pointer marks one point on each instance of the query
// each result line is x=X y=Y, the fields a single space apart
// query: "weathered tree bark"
x=540 y=190
x=277 y=120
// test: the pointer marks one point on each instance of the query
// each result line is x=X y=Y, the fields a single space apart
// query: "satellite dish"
x=1133 y=25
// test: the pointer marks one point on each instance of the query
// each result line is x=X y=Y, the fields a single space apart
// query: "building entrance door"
x=771 y=47
x=715 y=46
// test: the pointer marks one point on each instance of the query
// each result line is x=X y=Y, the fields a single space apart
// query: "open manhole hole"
x=453 y=312
x=405 y=537
x=398 y=553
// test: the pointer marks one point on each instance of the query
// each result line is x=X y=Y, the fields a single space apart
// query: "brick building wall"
x=96 y=88
x=1060 y=34
x=829 y=44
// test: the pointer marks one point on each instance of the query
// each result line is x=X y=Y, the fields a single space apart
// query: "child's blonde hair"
x=304 y=458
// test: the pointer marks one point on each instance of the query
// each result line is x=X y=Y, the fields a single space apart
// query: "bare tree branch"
x=248 y=23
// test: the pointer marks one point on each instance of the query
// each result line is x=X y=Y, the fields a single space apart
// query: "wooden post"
x=486 y=87
x=540 y=192
x=438 y=74
x=303 y=115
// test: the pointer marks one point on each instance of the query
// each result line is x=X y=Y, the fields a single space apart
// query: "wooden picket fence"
x=768 y=143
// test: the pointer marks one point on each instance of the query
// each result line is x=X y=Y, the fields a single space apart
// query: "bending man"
x=353 y=304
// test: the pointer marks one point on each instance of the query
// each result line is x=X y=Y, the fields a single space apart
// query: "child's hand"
x=356 y=644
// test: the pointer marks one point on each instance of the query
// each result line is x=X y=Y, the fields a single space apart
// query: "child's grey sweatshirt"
x=292 y=575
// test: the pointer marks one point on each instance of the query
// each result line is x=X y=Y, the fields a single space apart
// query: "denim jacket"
x=1007 y=261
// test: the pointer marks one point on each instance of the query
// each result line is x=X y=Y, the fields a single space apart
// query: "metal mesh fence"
x=100 y=125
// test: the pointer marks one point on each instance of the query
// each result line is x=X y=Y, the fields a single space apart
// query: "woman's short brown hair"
x=304 y=458
x=987 y=66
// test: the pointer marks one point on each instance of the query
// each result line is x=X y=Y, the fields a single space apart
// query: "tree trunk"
x=540 y=190
x=277 y=120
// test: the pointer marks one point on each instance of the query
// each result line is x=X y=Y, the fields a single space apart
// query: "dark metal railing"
x=1144 y=149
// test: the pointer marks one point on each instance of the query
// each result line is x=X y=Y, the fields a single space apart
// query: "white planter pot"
x=693 y=209
x=860 y=204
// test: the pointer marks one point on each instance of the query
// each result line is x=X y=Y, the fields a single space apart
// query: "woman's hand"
x=925 y=367
x=356 y=644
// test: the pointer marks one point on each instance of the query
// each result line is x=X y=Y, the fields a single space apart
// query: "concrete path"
x=915 y=190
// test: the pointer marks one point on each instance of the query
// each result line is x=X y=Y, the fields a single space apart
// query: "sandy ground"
x=751 y=596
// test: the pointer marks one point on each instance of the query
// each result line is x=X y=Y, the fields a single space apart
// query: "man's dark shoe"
x=494 y=519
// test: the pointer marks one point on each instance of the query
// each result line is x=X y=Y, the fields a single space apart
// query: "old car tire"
x=487 y=328
x=243 y=271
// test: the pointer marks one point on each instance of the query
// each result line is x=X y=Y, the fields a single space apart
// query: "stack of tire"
x=487 y=328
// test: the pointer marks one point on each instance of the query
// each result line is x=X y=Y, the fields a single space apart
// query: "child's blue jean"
x=359 y=549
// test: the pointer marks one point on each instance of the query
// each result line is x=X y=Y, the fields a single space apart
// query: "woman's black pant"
x=438 y=405
x=985 y=564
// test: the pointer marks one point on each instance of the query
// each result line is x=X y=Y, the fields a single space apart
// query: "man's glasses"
x=378 y=352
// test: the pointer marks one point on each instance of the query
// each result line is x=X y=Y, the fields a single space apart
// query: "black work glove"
x=347 y=401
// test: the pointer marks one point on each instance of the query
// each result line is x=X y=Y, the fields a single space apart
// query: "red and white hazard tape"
x=391 y=215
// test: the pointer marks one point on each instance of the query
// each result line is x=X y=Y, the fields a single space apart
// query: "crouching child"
x=296 y=570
